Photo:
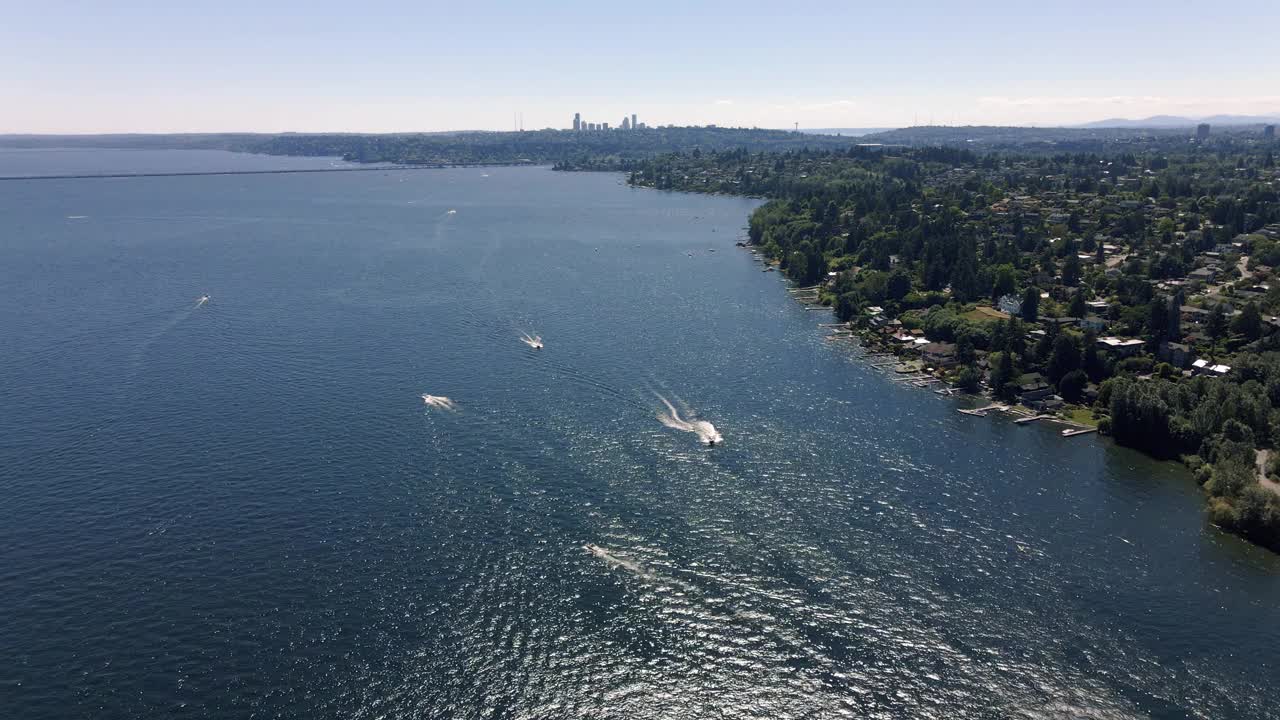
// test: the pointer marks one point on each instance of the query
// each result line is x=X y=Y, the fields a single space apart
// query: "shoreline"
x=872 y=346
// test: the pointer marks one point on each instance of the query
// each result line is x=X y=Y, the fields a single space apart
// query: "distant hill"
x=846 y=132
x=992 y=136
x=533 y=146
x=1177 y=121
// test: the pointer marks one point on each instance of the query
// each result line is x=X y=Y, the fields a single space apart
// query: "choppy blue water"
x=245 y=509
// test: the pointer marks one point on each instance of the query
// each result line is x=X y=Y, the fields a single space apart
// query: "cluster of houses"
x=1221 y=282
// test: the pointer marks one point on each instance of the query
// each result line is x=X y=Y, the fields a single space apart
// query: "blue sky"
x=380 y=66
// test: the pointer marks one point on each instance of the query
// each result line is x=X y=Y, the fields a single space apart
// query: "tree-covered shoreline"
x=1131 y=288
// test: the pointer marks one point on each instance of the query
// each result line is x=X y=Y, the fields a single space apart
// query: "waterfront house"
x=940 y=354
x=1032 y=387
x=1046 y=404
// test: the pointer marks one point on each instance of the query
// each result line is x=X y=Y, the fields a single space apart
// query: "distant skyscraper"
x=633 y=122
x=1269 y=131
x=1202 y=131
x=626 y=124
x=604 y=126
x=577 y=122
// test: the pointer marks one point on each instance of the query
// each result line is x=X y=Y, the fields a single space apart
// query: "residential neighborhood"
x=1126 y=286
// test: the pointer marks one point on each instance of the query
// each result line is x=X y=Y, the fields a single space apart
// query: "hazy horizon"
x=326 y=67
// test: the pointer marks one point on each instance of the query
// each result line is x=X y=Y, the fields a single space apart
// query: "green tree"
x=1077 y=307
x=1002 y=375
x=1064 y=358
x=1071 y=386
x=1031 y=304
x=1071 y=269
x=1158 y=319
x=798 y=265
x=898 y=285
x=1216 y=324
x=1004 y=282
x=1091 y=360
x=1249 y=322
x=968 y=378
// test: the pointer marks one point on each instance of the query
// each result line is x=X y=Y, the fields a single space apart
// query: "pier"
x=1072 y=432
x=982 y=411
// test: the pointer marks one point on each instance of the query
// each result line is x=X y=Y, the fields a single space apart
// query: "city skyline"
x=156 y=67
x=629 y=122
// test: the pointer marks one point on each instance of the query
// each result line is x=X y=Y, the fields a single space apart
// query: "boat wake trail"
x=439 y=402
x=632 y=567
x=705 y=431
x=202 y=300
x=533 y=341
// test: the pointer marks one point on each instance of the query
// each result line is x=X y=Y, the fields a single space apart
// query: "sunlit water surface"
x=245 y=508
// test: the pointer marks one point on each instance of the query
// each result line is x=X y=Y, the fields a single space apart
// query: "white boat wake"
x=202 y=300
x=634 y=568
x=439 y=402
x=705 y=431
x=533 y=341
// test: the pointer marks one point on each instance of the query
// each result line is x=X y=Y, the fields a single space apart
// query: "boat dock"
x=1072 y=432
x=982 y=411
x=1033 y=418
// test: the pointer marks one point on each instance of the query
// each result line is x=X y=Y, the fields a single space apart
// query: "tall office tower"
x=577 y=122
x=1202 y=131
x=1269 y=131
x=626 y=124
x=604 y=126
x=633 y=121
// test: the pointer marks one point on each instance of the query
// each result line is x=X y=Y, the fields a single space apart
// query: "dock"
x=1072 y=432
x=1033 y=418
x=982 y=411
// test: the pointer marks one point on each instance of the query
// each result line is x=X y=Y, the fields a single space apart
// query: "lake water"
x=243 y=508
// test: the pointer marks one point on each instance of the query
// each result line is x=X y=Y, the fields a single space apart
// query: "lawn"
x=1082 y=415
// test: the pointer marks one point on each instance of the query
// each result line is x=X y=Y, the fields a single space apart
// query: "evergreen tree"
x=1031 y=304
x=1064 y=358
x=1249 y=322
x=1071 y=269
x=1077 y=307
x=1216 y=324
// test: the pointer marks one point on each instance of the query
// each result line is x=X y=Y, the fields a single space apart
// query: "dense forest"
x=1165 y=248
